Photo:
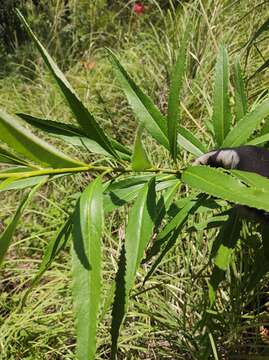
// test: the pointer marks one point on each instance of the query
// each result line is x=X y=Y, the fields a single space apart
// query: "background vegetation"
x=163 y=322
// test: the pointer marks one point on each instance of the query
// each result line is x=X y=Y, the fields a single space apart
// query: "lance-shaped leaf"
x=87 y=233
x=241 y=103
x=84 y=118
x=140 y=160
x=121 y=192
x=227 y=240
x=26 y=143
x=73 y=135
x=52 y=250
x=221 y=107
x=245 y=127
x=217 y=183
x=6 y=237
x=168 y=236
x=259 y=140
x=138 y=233
x=174 y=94
x=7 y=157
x=189 y=142
x=144 y=109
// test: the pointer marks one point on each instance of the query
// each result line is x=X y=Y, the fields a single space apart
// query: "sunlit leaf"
x=146 y=112
x=221 y=107
x=140 y=160
x=245 y=127
x=84 y=118
x=217 y=183
x=73 y=135
x=26 y=143
x=189 y=142
x=173 y=111
x=87 y=234
x=241 y=103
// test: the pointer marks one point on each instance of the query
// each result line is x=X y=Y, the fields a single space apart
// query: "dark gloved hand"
x=247 y=158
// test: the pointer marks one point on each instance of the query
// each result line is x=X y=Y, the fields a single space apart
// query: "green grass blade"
x=138 y=233
x=26 y=143
x=73 y=135
x=241 y=103
x=221 y=107
x=140 y=160
x=226 y=240
x=6 y=237
x=217 y=183
x=245 y=127
x=87 y=234
x=173 y=111
x=146 y=112
x=189 y=142
x=52 y=250
x=84 y=118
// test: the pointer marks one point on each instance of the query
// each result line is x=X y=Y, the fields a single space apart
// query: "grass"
x=164 y=318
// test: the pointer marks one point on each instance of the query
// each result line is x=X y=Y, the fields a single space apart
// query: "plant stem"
x=88 y=168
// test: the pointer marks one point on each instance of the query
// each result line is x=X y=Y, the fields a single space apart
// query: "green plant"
x=33 y=162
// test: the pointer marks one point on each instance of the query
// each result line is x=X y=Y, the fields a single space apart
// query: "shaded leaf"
x=168 y=236
x=87 y=234
x=226 y=240
x=6 y=237
x=138 y=233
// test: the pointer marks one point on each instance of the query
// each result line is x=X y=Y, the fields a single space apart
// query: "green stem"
x=88 y=168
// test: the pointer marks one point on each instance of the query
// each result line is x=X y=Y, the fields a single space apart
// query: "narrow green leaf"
x=122 y=192
x=138 y=233
x=6 y=237
x=227 y=240
x=259 y=140
x=26 y=143
x=252 y=179
x=146 y=112
x=245 y=127
x=221 y=107
x=7 y=157
x=15 y=184
x=217 y=183
x=241 y=103
x=190 y=143
x=52 y=250
x=84 y=118
x=87 y=234
x=73 y=135
x=168 y=236
x=140 y=160
x=173 y=111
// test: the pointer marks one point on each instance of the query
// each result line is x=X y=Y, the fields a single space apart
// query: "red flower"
x=139 y=8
